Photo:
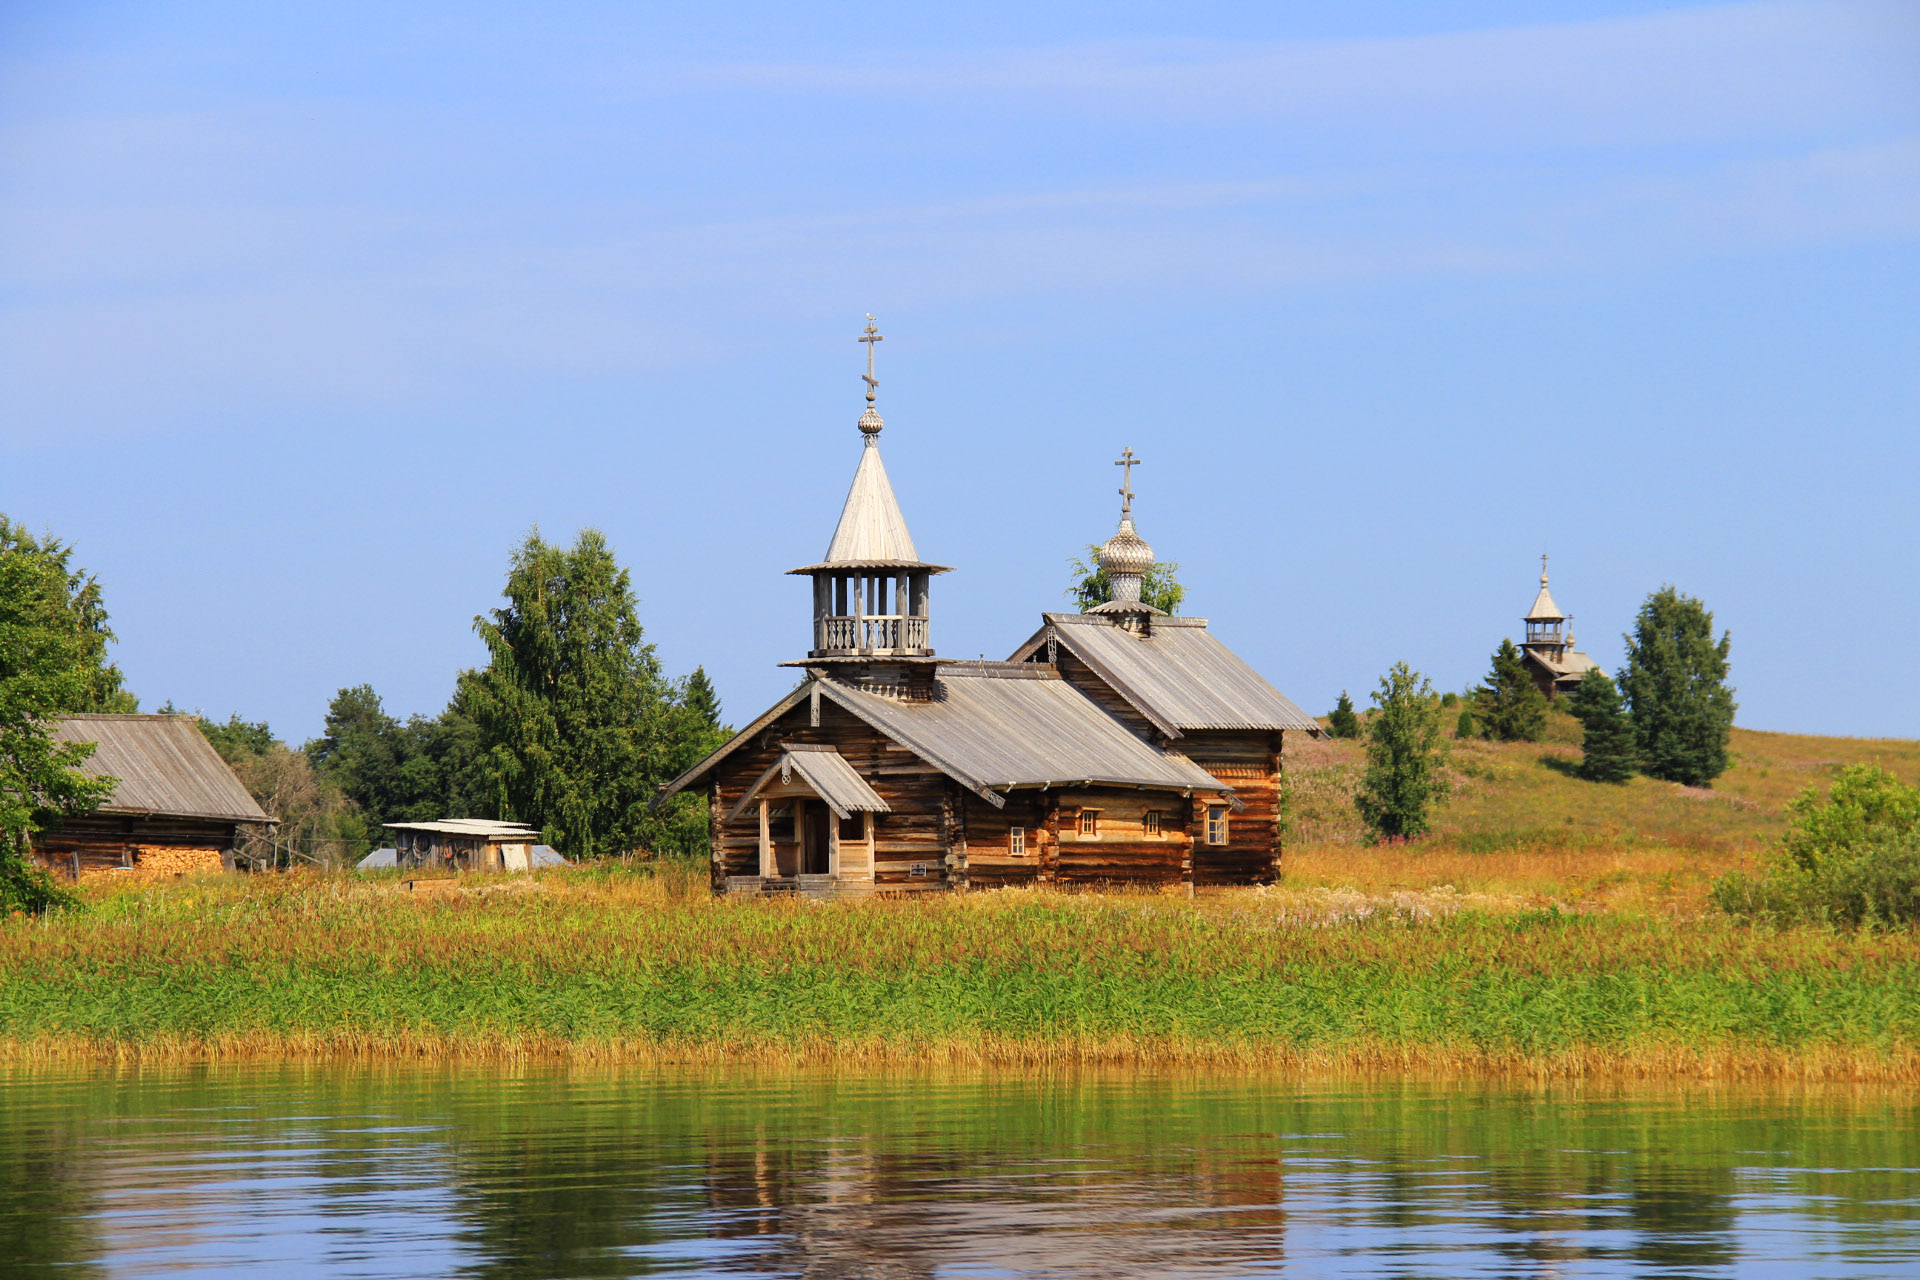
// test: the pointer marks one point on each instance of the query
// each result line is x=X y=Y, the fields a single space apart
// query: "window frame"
x=1017 y=842
x=1217 y=834
x=1089 y=824
x=1152 y=823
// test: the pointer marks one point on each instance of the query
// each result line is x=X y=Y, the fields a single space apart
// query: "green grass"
x=650 y=970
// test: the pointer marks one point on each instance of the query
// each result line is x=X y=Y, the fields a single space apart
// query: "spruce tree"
x=1341 y=721
x=1675 y=686
x=1405 y=751
x=1606 y=742
x=1509 y=706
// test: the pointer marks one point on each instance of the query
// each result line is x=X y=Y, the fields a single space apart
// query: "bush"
x=1465 y=726
x=1851 y=857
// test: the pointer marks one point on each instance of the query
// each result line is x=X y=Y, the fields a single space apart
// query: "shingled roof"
x=1178 y=675
x=164 y=765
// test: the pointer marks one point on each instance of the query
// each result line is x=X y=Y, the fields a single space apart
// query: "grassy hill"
x=1521 y=827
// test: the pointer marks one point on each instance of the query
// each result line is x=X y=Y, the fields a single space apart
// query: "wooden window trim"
x=1089 y=826
x=1150 y=822
x=1017 y=841
x=1216 y=824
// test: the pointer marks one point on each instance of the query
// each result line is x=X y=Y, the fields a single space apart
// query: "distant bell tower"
x=1546 y=634
x=871 y=620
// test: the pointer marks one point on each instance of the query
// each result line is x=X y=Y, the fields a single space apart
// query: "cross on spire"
x=1543 y=568
x=870 y=336
x=1127 y=460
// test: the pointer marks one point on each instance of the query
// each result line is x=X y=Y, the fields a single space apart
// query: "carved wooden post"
x=833 y=844
x=716 y=855
x=766 y=841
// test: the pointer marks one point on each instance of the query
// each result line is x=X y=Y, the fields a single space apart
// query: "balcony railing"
x=884 y=631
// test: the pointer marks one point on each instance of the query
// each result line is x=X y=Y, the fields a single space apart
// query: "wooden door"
x=814 y=863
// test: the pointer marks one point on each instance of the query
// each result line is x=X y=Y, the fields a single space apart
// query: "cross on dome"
x=1127 y=460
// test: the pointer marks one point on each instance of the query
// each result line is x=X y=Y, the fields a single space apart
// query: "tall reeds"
x=649 y=968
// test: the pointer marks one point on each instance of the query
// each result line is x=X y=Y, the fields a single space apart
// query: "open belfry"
x=1121 y=745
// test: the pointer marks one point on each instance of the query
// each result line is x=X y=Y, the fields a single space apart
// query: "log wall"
x=915 y=834
x=1250 y=763
x=1123 y=851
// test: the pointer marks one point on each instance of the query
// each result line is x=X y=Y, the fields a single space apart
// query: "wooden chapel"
x=1118 y=746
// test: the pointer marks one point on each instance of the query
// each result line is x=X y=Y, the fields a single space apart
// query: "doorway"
x=813 y=861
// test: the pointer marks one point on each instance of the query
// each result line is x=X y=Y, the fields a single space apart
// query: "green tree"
x=1405 y=752
x=1509 y=707
x=1606 y=739
x=53 y=638
x=575 y=718
x=1675 y=686
x=1341 y=722
x=1466 y=726
x=1159 y=586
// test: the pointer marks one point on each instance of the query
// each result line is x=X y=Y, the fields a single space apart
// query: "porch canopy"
x=822 y=771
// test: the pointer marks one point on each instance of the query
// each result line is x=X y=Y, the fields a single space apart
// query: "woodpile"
x=161 y=863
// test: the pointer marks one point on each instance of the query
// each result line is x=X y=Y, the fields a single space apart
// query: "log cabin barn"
x=176 y=808
x=1552 y=661
x=1119 y=746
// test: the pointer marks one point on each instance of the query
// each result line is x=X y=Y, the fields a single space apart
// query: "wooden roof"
x=164 y=765
x=1178 y=675
x=995 y=727
x=828 y=775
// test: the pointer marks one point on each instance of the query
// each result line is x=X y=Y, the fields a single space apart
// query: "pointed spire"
x=1544 y=609
x=871 y=526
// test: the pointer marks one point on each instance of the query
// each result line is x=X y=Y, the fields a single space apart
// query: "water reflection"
x=334 y=1172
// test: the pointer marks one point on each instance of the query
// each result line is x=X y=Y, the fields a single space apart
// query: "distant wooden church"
x=1115 y=746
x=1551 y=659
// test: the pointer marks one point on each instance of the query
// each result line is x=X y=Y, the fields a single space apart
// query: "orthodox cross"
x=1127 y=460
x=1543 y=556
x=871 y=336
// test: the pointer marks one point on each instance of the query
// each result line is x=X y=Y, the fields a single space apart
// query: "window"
x=1089 y=824
x=1017 y=841
x=1151 y=822
x=1216 y=824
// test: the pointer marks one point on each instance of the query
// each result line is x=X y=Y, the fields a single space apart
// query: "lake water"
x=327 y=1171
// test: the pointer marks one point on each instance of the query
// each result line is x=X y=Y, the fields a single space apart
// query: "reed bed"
x=649 y=969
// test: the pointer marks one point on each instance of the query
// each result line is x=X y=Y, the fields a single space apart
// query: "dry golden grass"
x=1521 y=828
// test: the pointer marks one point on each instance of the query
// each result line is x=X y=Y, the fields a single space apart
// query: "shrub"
x=1851 y=857
x=1465 y=726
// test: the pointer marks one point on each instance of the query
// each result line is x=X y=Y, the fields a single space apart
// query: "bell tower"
x=871 y=616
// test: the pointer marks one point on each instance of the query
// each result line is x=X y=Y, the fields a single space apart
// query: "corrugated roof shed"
x=165 y=766
x=1178 y=674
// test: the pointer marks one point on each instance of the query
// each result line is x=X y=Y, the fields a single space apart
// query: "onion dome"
x=1126 y=555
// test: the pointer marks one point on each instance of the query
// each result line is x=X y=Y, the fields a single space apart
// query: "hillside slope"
x=1521 y=823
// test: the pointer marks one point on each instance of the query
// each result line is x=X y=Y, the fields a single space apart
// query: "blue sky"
x=308 y=315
